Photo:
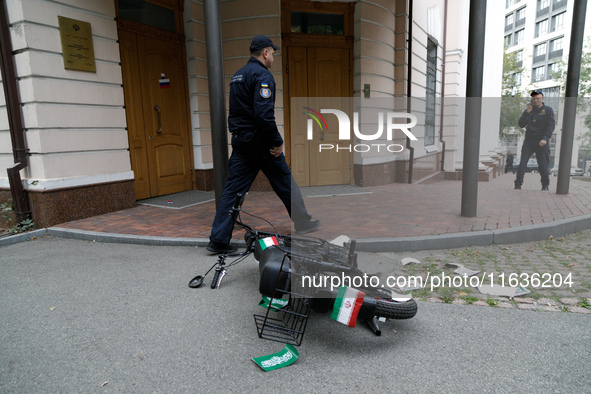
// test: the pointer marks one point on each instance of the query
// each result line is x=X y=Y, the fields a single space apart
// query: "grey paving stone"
x=578 y=309
x=569 y=301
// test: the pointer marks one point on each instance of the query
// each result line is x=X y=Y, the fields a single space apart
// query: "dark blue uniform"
x=539 y=125
x=254 y=131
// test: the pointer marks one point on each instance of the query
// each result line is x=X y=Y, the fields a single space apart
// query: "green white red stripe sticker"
x=285 y=357
x=347 y=305
x=267 y=242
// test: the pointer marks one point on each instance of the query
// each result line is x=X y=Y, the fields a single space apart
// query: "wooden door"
x=154 y=81
x=328 y=76
x=318 y=72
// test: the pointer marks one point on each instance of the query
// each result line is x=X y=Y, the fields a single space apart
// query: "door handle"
x=159 y=130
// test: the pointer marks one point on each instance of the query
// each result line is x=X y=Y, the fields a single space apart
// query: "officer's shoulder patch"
x=265 y=91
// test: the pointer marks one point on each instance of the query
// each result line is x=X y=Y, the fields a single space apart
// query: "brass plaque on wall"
x=77 y=48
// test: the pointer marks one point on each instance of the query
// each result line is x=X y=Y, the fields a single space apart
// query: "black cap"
x=534 y=92
x=261 y=42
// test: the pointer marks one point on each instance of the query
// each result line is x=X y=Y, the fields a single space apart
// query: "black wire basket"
x=288 y=323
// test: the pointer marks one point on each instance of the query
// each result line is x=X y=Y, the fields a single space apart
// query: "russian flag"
x=164 y=82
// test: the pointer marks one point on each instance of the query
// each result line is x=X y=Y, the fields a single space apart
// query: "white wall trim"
x=54 y=184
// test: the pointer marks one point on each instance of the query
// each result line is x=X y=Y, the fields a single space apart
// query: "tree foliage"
x=512 y=102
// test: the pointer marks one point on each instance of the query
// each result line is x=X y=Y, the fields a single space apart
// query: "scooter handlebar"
x=237 y=202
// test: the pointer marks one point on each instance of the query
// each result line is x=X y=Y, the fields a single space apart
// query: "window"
x=518 y=59
x=538 y=74
x=431 y=90
x=552 y=69
x=556 y=45
x=540 y=50
x=558 y=21
x=541 y=28
x=509 y=20
x=508 y=40
x=520 y=14
x=518 y=37
x=543 y=4
x=517 y=80
x=552 y=99
x=555 y=48
x=509 y=3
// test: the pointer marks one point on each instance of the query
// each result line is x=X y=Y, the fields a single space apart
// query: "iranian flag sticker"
x=347 y=306
x=267 y=242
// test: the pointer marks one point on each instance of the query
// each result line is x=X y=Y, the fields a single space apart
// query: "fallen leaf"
x=52 y=308
x=104 y=384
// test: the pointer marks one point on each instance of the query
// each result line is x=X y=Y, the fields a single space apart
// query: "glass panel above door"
x=147 y=13
x=317 y=23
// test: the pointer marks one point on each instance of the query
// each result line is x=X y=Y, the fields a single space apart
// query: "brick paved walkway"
x=397 y=210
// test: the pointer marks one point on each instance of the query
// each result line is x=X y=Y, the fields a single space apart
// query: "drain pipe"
x=409 y=89
x=444 y=49
x=15 y=120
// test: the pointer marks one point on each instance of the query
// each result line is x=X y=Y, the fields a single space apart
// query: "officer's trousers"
x=245 y=162
x=531 y=146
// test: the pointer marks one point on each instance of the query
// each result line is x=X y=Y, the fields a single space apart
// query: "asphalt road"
x=90 y=317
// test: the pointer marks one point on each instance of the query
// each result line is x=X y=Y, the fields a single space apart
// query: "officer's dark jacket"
x=539 y=122
x=252 y=101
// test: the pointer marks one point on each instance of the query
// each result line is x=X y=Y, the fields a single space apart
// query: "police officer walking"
x=256 y=145
x=538 y=119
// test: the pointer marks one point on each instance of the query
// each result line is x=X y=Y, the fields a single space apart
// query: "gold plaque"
x=77 y=48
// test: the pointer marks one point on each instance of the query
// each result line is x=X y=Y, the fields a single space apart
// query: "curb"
x=125 y=238
x=23 y=237
x=531 y=233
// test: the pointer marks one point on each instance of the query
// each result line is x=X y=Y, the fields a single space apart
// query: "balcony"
x=508 y=27
x=540 y=58
x=558 y=4
x=520 y=22
x=555 y=54
x=543 y=12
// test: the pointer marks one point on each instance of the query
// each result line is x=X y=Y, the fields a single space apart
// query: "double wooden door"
x=155 y=89
x=318 y=72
